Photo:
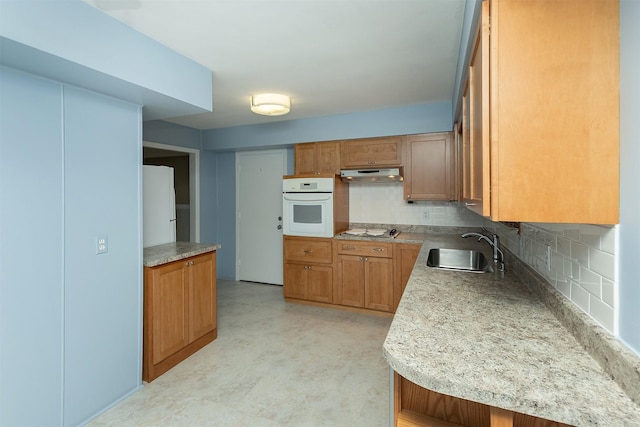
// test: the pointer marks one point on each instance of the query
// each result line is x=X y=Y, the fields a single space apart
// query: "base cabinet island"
x=179 y=304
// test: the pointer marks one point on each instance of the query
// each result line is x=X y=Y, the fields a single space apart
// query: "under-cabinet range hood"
x=372 y=175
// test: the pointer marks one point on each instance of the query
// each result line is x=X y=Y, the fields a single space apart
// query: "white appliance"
x=159 y=206
x=307 y=207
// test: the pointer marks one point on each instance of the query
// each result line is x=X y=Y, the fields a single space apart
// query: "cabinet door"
x=465 y=151
x=368 y=153
x=378 y=290
x=169 y=308
x=320 y=283
x=295 y=281
x=429 y=167
x=555 y=134
x=350 y=281
x=202 y=295
x=304 y=158
x=405 y=258
x=479 y=173
x=328 y=157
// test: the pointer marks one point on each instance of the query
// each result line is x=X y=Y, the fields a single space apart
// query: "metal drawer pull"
x=307 y=251
x=378 y=249
x=349 y=248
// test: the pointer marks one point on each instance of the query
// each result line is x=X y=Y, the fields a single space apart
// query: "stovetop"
x=372 y=233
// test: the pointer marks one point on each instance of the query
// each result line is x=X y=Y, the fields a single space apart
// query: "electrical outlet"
x=102 y=245
x=548 y=258
x=425 y=214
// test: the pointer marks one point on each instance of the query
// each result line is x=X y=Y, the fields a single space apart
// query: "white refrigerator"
x=159 y=206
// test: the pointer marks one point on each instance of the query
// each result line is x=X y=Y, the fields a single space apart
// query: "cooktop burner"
x=362 y=232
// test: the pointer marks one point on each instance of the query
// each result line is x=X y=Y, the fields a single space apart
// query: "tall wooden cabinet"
x=544 y=112
x=179 y=312
x=317 y=158
x=428 y=167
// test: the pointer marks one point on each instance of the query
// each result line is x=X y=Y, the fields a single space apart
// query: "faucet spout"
x=494 y=242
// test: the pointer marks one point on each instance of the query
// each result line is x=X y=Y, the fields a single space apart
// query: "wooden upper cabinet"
x=552 y=84
x=317 y=158
x=429 y=168
x=476 y=150
x=371 y=152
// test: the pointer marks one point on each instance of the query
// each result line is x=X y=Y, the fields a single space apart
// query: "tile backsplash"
x=577 y=259
x=383 y=203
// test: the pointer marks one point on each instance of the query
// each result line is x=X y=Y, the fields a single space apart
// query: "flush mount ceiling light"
x=270 y=104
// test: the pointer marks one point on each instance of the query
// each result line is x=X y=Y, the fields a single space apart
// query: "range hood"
x=372 y=175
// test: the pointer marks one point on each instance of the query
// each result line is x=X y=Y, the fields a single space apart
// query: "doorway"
x=185 y=163
x=259 y=215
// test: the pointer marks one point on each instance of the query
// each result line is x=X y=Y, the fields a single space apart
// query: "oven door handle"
x=307 y=197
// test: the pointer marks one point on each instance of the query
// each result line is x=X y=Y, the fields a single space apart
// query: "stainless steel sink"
x=459 y=260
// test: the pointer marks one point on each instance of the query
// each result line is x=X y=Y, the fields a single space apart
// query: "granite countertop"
x=169 y=252
x=489 y=339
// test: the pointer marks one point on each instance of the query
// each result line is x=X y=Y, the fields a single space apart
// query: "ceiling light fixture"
x=270 y=104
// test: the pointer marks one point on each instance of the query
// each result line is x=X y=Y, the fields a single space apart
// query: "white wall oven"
x=307 y=206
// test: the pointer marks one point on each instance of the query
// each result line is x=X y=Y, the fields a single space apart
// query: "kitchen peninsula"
x=477 y=349
x=179 y=304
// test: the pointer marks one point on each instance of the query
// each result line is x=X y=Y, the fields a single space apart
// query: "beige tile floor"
x=273 y=364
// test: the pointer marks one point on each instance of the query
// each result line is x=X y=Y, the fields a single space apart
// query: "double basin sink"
x=459 y=260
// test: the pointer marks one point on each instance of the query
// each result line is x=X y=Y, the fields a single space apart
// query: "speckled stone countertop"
x=163 y=254
x=489 y=339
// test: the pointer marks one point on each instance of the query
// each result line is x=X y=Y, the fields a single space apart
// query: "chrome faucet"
x=498 y=255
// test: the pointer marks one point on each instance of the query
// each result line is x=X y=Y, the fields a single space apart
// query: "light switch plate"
x=102 y=245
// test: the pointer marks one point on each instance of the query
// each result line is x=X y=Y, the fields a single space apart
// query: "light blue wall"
x=31 y=250
x=629 y=250
x=102 y=293
x=209 y=204
x=72 y=42
x=472 y=12
x=172 y=134
x=71 y=320
x=392 y=121
x=70 y=163
x=226 y=213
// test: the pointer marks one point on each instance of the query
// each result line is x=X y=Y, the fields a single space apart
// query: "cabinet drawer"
x=374 y=249
x=308 y=250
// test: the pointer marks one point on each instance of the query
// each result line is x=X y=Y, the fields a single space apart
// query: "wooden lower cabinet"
x=308 y=269
x=179 y=312
x=405 y=256
x=415 y=406
x=365 y=275
x=312 y=282
x=357 y=275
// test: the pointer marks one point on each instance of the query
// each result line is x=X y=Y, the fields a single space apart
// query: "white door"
x=159 y=206
x=259 y=209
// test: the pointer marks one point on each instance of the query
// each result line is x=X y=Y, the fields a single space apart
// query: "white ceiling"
x=329 y=56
